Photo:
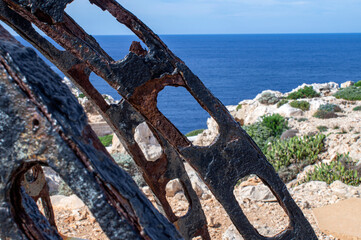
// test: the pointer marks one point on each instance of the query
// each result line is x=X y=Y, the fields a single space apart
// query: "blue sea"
x=237 y=67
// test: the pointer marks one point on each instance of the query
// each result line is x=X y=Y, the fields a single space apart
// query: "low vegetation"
x=282 y=102
x=303 y=105
x=106 y=140
x=239 y=106
x=276 y=123
x=290 y=156
x=127 y=163
x=326 y=111
x=268 y=129
x=358 y=108
x=351 y=93
x=343 y=169
x=330 y=107
x=194 y=133
x=302 y=119
x=358 y=84
x=268 y=98
x=324 y=114
x=306 y=92
x=322 y=128
x=261 y=134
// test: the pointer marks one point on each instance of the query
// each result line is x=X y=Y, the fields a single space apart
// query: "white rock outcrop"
x=287 y=111
x=325 y=89
x=147 y=142
x=347 y=84
x=209 y=135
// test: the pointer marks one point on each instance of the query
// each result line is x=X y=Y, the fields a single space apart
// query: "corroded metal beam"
x=43 y=124
x=138 y=78
x=123 y=119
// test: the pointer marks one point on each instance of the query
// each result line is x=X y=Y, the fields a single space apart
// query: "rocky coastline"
x=342 y=137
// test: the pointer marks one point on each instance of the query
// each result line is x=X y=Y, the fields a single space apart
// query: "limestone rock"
x=342 y=189
x=287 y=111
x=232 y=234
x=290 y=133
x=315 y=103
x=252 y=110
x=72 y=202
x=198 y=185
x=173 y=186
x=208 y=135
x=347 y=84
x=257 y=193
x=117 y=146
x=147 y=142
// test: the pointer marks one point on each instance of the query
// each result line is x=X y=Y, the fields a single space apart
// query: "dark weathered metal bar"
x=139 y=79
x=43 y=124
x=122 y=119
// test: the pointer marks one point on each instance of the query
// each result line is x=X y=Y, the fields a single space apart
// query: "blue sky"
x=227 y=16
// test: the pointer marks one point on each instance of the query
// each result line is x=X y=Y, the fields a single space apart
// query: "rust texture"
x=42 y=124
x=138 y=78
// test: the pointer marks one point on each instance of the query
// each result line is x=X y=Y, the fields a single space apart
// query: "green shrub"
x=282 y=102
x=276 y=123
x=127 y=163
x=358 y=108
x=357 y=84
x=341 y=169
x=290 y=156
x=330 y=107
x=322 y=128
x=326 y=111
x=306 y=92
x=81 y=95
x=268 y=98
x=239 y=106
x=303 y=105
x=106 y=140
x=324 y=114
x=351 y=93
x=302 y=119
x=267 y=130
x=260 y=134
x=194 y=132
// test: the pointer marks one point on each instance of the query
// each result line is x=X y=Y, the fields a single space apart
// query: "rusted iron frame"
x=134 y=211
x=233 y=147
x=38 y=176
x=123 y=207
x=157 y=174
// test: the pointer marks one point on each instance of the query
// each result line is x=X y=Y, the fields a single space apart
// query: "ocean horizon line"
x=219 y=34
x=233 y=34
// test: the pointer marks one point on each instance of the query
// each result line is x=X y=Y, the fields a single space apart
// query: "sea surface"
x=238 y=67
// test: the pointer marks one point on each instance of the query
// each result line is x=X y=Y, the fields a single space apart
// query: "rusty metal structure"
x=63 y=140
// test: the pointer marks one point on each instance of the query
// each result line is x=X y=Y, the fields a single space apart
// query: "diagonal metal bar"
x=191 y=225
x=43 y=124
x=119 y=117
